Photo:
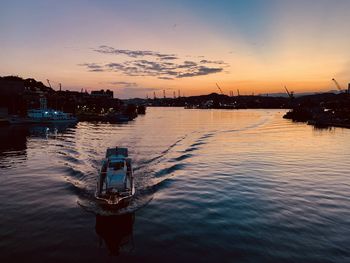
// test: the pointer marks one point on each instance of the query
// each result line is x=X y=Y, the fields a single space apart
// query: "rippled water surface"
x=212 y=186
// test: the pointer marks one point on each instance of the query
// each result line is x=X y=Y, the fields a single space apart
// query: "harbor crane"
x=219 y=89
x=337 y=85
x=48 y=81
x=290 y=93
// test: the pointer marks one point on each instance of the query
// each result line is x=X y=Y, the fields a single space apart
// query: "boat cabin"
x=117 y=151
x=117 y=164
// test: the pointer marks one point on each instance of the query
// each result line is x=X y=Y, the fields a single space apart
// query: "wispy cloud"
x=155 y=64
x=121 y=83
x=200 y=71
x=218 y=62
x=155 y=69
x=93 y=67
x=134 y=53
x=166 y=78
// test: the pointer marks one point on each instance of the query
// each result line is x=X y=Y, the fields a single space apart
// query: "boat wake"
x=151 y=174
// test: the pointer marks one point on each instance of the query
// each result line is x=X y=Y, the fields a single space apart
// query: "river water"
x=212 y=186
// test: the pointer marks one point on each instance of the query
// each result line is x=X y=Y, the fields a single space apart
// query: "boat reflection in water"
x=14 y=139
x=49 y=130
x=116 y=232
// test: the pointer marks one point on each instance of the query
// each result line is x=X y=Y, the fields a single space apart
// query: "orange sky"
x=254 y=46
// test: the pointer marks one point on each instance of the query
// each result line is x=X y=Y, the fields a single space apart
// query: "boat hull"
x=114 y=200
x=39 y=121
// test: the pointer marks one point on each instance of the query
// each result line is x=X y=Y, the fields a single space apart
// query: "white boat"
x=49 y=116
x=115 y=184
x=43 y=115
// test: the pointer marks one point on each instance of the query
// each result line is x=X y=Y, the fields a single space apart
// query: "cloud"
x=93 y=67
x=123 y=83
x=166 y=78
x=159 y=69
x=188 y=64
x=134 y=53
x=145 y=63
x=218 y=62
x=168 y=57
x=200 y=71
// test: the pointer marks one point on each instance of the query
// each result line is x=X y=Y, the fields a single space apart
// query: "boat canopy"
x=116 y=164
x=117 y=151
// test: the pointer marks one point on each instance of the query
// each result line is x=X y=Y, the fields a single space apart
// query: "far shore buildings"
x=101 y=93
x=17 y=95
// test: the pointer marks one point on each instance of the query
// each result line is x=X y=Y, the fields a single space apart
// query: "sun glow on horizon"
x=254 y=46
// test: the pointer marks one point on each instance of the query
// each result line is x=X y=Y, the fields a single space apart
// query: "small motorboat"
x=115 y=184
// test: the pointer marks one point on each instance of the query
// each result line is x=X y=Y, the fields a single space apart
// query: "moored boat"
x=50 y=116
x=43 y=115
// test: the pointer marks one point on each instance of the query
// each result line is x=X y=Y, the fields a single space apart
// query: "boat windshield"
x=116 y=165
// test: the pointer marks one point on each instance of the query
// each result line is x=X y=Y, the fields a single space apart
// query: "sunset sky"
x=137 y=47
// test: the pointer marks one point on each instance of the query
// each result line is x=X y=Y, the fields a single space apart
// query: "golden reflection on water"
x=247 y=181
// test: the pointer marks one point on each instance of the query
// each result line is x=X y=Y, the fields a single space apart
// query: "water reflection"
x=252 y=188
x=116 y=232
x=14 y=139
x=48 y=131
